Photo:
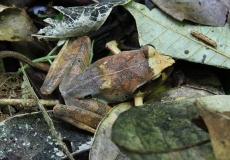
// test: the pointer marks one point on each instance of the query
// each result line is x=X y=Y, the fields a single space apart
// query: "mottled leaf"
x=173 y=38
x=208 y=12
x=28 y=137
x=79 y=20
x=161 y=131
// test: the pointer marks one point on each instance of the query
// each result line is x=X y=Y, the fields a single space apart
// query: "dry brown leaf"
x=15 y=25
x=208 y=12
x=216 y=115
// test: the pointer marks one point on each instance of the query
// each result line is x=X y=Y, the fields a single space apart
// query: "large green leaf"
x=173 y=38
x=161 y=131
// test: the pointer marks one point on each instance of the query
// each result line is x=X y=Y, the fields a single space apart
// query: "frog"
x=87 y=89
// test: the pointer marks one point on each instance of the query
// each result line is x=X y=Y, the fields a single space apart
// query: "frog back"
x=111 y=79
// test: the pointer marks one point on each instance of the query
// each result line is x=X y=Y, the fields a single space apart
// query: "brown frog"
x=108 y=80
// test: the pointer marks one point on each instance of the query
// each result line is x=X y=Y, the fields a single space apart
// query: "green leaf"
x=59 y=17
x=161 y=131
x=173 y=38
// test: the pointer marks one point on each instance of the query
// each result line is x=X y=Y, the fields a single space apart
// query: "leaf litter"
x=197 y=52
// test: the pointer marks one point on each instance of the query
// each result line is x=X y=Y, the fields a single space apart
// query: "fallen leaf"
x=28 y=137
x=190 y=81
x=216 y=113
x=103 y=147
x=15 y=25
x=177 y=94
x=226 y=2
x=173 y=38
x=78 y=20
x=161 y=131
x=17 y=3
x=207 y=12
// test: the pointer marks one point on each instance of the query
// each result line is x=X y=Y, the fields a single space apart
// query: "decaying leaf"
x=161 y=131
x=216 y=114
x=103 y=147
x=208 y=12
x=79 y=20
x=28 y=137
x=173 y=38
x=15 y=25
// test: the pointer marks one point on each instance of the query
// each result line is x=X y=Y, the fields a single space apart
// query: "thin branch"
x=28 y=102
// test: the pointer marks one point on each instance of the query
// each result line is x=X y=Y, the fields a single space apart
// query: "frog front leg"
x=71 y=60
x=85 y=114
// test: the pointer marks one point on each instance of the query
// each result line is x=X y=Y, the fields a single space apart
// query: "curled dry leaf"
x=15 y=25
x=102 y=144
x=216 y=114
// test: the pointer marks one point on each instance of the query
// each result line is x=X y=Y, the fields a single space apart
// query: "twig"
x=19 y=56
x=28 y=102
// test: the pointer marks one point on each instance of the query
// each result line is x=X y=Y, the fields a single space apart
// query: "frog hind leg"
x=84 y=114
x=80 y=118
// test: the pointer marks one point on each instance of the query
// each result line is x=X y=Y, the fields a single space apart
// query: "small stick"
x=204 y=38
x=28 y=102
